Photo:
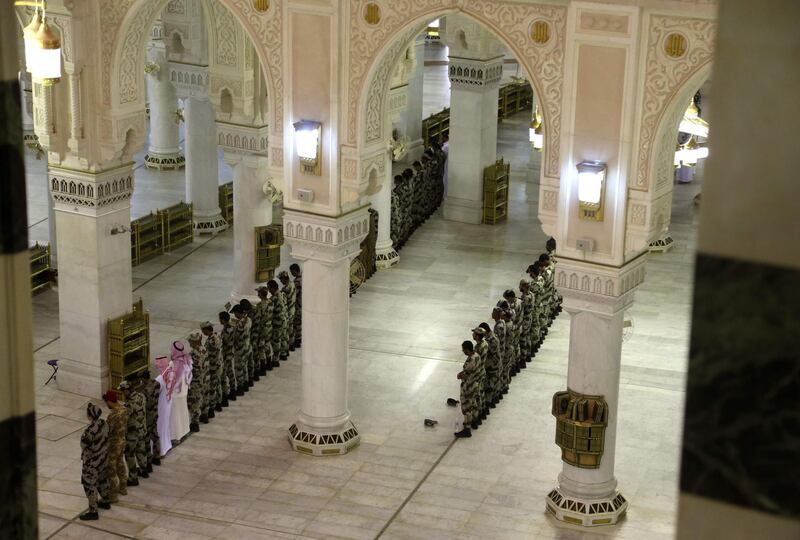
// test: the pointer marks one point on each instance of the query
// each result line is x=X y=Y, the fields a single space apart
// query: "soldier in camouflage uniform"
x=280 y=346
x=468 y=378
x=408 y=204
x=228 y=372
x=419 y=197
x=213 y=345
x=511 y=345
x=258 y=355
x=250 y=342
x=294 y=269
x=526 y=303
x=516 y=305
x=492 y=388
x=501 y=334
x=241 y=335
x=94 y=455
x=136 y=433
x=270 y=360
x=197 y=390
x=288 y=291
x=481 y=349
x=550 y=245
x=151 y=389
x=117 y=426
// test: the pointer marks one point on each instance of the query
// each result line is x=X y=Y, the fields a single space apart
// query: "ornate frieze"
x=243 y=139
x=596 y=287
x=189 y=80
x=91 y=193
x=324 y=238
x=475 y=74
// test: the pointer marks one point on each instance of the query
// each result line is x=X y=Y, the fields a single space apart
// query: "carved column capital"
x=323 y=238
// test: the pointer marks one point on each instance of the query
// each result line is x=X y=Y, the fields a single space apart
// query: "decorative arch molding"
x=666 y=77
x=374 y=49
x=127 y=24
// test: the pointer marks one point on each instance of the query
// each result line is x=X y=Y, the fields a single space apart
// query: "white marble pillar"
x=473 y=134
x=26 y=95
x=415 y=100
x=595 y=299
x=326 y=246
x=51 y=229
x=164 y=151
x=252 y=207
x=94 y=273
x=385 y=254
x=202 y=166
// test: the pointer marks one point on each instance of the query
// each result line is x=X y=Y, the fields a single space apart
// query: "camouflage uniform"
x=479 y=381
x=298 y=310
x=500 y=332
x=197 y=390
x=419 y=199
x=151 y=391
x=518 y=316
x=94 y=455
x=213 y=346
x=136 y=434
x=535 y=320
x=397 y=215
x=540 y=292
x=511 y=350
x=469 y=396
x=280 y=346
x=249 y=356
x=266 y=331
x=117 y=426
x=493 y=387
x=259 y=338
x=242 y=351
x=526 y=302
x=288 y=291
x=228 y=373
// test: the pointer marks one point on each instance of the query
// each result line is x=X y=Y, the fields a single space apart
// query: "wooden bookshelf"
x=495 y=192
x=435 y=127
x=176 y=225
x=581 y=422
x=269 y=239
x=128 y=344
x=146 y=238
x=226 y=201
x=514 y=97
x=42 y=274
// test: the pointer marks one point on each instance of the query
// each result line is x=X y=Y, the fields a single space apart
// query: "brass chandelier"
x=42 y=46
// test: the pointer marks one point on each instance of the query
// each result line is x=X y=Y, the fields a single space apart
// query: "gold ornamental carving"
x=675 y=45
x=540 y=32
x=372 y=13
x=261 y=5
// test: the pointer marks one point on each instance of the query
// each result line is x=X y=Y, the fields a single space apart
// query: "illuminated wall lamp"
x=308 y=142
x=42 y=47
x=591 y=186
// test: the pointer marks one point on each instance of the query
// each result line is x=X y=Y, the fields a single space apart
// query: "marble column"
x=385 y=254
x=202 y=166
x=252 y=207
x=473 y=134
x=595 y=299
x=164 y=151
x=414 y=102
x=18 y=498
x=94 y=274
x=26 y=93
x=51 y=229
x=326 y=246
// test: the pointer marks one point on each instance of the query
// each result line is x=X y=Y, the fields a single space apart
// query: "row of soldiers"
x=226 y=365
x=521 y=322
x=118 y=451
x=416 y=194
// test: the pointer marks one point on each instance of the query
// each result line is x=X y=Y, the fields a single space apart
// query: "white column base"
x=210 y=224
x=386 y=257
x=164 y=162
x=463 y=210
x=662 y=244
x=83 y=379
x=323 y=436
x=586 y=512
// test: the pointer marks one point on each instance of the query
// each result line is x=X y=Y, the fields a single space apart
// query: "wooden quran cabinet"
x=128 y=344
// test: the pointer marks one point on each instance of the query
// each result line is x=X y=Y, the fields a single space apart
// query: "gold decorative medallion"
x=372 y=13
x=675 y=45
x=261 y=5
x=540 y=32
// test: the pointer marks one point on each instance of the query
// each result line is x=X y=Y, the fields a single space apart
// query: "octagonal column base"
x=164 y=162
x=209 y=224
x=586 y=512
x=320 y=441
x=386 y=258
x=662 y=244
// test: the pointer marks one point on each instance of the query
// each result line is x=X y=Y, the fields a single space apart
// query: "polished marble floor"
x=238 y=478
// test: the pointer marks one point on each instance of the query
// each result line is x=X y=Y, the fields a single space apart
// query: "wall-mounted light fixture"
x=42 y=47
x=308 y=143
x=591 y=187
x=536 y=133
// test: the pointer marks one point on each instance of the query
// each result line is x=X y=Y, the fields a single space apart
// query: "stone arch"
x=127 y=35
x=509 y=22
